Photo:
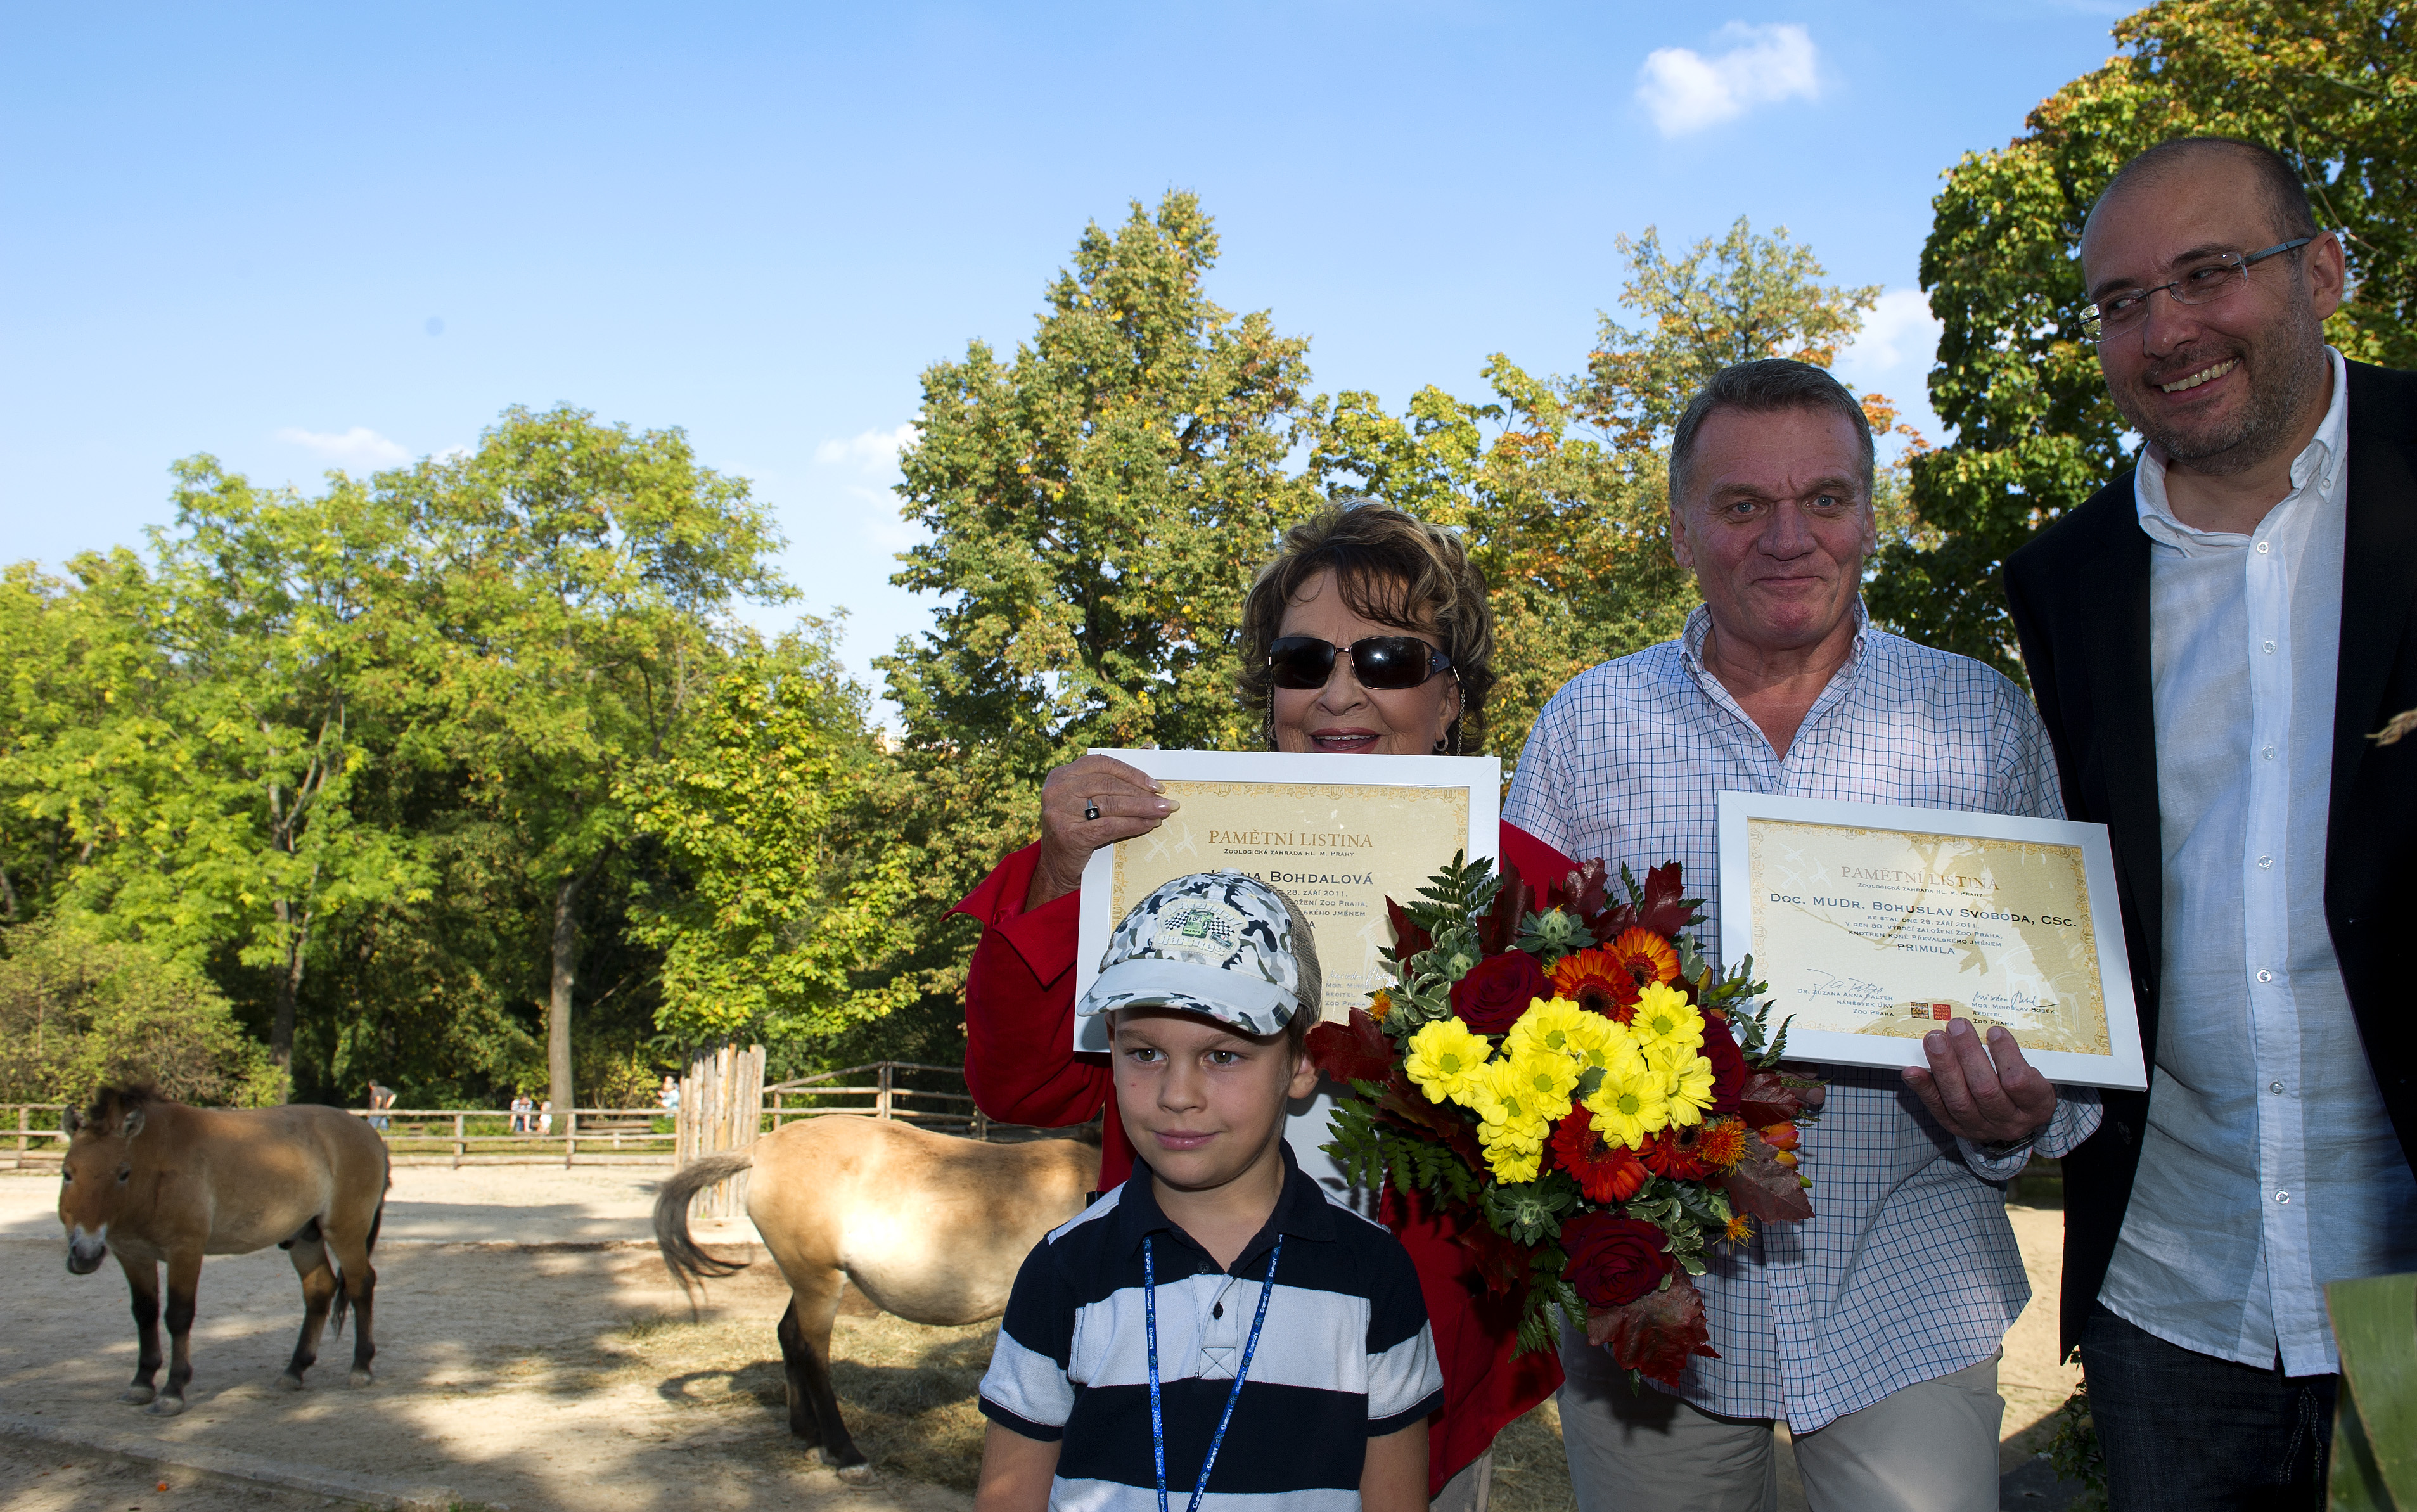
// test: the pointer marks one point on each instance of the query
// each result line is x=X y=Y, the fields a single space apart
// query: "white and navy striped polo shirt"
x=1345 y=1356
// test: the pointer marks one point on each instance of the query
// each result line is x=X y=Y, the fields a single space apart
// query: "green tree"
x=570 y=597
x=791 y=899
x=1096 y=506
x=1736 y=299
x=77 y=1009
x=2328 y=85
x=208 y=794
x=74 y=658
x=1560 y=486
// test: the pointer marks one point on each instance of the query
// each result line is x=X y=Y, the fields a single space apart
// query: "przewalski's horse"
x=157 y=1181
x=931 y=1228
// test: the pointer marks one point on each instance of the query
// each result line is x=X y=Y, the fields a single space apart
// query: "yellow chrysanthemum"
x=1552 y=1024
x=1547 y=1078
x=1666 y=1025
x=1515 y=1164
x=1690 y=1091
x=1508 y=1109
x=1444 y=1056
x=1630 y=1104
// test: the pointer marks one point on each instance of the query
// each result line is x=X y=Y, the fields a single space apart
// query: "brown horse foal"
x=157 y=1182
x=930 y=1228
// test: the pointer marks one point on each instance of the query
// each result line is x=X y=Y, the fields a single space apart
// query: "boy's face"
x=1202 y=1101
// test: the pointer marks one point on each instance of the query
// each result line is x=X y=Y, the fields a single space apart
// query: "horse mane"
x=114 y=1100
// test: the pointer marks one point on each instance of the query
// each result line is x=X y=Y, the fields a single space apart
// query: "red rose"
x=1728 y=1064
x=1498 y=990
x=1613 y=1262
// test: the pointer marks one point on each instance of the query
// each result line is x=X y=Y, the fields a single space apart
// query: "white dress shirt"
x=2267 y=1167
x=1907 y=1269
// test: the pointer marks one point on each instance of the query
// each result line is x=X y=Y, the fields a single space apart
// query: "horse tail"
x=377 y=1221
x=683 y=1256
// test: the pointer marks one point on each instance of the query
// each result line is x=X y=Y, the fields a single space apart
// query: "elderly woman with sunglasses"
x=1369 y=634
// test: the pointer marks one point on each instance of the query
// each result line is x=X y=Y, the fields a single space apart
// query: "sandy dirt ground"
x=533 y=1354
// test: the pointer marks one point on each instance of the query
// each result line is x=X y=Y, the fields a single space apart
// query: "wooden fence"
x=712 y=1116
x=38 y=1140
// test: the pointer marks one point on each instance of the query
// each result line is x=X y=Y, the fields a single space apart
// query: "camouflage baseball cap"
x=1221 y=944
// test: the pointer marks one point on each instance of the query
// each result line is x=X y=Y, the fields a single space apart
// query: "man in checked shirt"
x=1873 y=1329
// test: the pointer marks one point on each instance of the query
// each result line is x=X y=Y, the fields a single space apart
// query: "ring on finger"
x=1091 y=809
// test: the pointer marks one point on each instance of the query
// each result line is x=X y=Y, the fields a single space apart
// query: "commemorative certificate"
x=1875 y=924
x=1338 y=834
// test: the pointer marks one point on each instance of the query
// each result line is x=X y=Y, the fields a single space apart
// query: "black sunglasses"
x=1380 y=661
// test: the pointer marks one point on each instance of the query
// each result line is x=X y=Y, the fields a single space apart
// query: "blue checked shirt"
x=1907 y=1270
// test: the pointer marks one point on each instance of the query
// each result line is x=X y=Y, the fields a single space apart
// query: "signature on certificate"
x=1848 y=992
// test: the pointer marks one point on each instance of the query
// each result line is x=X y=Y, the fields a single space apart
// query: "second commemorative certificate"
x=1875 y=923
x=1338 y=834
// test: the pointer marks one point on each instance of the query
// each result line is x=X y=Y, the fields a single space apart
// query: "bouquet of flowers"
x=1587 y=1096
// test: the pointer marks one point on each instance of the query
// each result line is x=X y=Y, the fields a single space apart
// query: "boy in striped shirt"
x=1216 y=1325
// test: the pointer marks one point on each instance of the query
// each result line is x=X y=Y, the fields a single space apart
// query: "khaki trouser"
x=1929 y=1447
x=1470 y=1490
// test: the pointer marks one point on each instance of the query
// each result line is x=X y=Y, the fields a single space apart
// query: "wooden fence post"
x=458 y=1141
x=720 y=1108
x=881 y=1099
x=24 y=1130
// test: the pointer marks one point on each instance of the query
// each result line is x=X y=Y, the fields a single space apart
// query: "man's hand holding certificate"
x=1980 y=951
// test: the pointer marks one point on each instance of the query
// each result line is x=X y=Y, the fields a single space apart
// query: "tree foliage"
x=2035 y=435
x=77 y=1009
x=794 y=900
x=466 y=776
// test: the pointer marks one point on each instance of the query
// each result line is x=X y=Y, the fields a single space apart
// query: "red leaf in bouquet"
x=1502 y=1263
x=1500 y=928
x=1776 y=1098
x=1655 y=1334
x=1728 y=1064
x=1588 y=889
x=1665 y=912
x=1765 y=1186
x=1356 y=1050
x=1409 y=939
x=1614 y=1260
x=1498 y=990
x=1606 y=1172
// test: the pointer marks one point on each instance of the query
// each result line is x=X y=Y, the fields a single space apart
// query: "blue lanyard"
x=1156 y=1422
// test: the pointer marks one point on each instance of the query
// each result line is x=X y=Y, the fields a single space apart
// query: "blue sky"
x=323 y=235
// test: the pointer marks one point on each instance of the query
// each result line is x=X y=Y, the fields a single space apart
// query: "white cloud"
x=1900 y=330
x=359 y=446
x=1687 y=91
x=870 y=451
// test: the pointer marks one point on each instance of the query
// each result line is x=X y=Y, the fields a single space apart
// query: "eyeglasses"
x=2202 y=284
x=1380 y=661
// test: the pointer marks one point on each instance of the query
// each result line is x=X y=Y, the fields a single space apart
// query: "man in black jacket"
x=2212 y=640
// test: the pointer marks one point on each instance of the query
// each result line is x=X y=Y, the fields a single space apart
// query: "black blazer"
x=2080 y=599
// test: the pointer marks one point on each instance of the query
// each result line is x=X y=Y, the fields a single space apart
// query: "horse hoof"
x=138 y=1395
x=857 y=1475
x=289 y=1382
x=168 y=1406
x=360 y=1376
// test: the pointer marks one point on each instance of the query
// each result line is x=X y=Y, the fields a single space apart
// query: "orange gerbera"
x=1606 y=1172
x=1645 y=956
x=1607 y=979
x=1676 y=1152
x=1721 y=1145
x=1592 y=980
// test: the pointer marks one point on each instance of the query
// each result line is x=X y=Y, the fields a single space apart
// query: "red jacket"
x=1018 y=1022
